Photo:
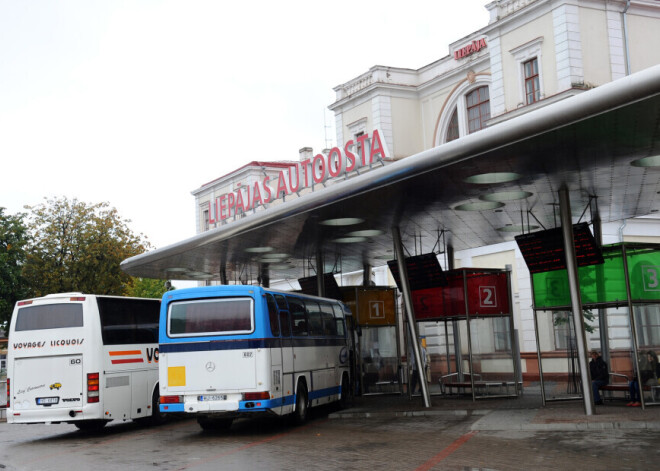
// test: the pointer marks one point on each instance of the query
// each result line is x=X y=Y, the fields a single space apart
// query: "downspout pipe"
x=625 y=36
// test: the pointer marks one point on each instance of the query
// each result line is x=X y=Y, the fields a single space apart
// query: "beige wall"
x=431 y=109
x=499 y=260
x=350 y=116
x=407 y=128
x=644 y=40
x=541 y=27
x=595 y=47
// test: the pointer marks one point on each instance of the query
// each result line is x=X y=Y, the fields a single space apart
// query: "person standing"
x=600 y=376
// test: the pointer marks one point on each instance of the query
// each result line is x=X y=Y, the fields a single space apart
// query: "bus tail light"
x=92 y=387
x=8 y=397
x=255 y=396
x=77 y=298
x=171 y=399
x=24 y=303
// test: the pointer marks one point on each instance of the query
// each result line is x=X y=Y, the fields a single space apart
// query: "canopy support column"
x=576 y=302
x=410 y=313
x=320 y=282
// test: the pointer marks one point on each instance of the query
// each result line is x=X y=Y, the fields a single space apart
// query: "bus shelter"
x=476 y=353
x=378 y=346
x=621 y=303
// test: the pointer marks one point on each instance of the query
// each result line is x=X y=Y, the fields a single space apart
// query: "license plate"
x=213 y=397
x=47 y=401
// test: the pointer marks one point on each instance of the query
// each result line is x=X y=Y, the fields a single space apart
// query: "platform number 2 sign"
x=651 y=277
x=487 y=296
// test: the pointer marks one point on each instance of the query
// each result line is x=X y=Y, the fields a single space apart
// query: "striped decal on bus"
x=126 y=353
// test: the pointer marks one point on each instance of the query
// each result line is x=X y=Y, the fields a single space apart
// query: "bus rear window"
x=49 y=316
x=215 y=316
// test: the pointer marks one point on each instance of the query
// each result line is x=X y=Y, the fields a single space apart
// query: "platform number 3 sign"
x=651 y=277
x=487 y=296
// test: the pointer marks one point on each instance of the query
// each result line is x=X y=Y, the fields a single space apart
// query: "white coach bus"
x=237 y=351
x=83 y=359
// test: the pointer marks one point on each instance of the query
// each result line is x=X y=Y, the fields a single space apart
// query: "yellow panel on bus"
x=176 y=376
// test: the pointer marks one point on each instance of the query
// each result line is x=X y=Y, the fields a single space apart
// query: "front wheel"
x=345 y=399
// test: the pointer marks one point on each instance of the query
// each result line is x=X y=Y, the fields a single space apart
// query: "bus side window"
x=273 y=316
x=315 y=319
x=284 y=322
x=327 y=314
x=339 y=319
x=298 y=317
x=281 y=302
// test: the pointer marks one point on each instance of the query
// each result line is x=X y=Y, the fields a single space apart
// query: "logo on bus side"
x=152 y=355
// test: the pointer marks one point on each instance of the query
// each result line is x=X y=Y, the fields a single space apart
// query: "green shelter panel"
x=604 y=283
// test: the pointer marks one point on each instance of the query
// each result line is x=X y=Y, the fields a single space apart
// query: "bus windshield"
x=49 y=316
x=214 y=316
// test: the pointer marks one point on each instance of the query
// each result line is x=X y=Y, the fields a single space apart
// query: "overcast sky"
x=139 y=102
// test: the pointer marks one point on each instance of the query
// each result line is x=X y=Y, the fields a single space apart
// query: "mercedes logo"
x=210 y=366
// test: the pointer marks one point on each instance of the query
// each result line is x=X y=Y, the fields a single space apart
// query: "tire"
x=346 y=395
x=301 y=412
x=157 y=417
x=214 y=425
x=91 y=425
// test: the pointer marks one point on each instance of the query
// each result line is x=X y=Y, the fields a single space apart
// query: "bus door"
x=285 y=342
x=275 y=350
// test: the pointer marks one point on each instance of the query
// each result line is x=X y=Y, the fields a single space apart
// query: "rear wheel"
x=214 y=425
x=157 y=417
x=90 y=425
x=301 y=412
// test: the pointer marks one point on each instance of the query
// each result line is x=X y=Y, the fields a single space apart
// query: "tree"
x=13 y=241
x=148 y=288
x=77 y=246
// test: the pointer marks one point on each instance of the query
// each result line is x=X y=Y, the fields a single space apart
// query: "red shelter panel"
x=487 y=295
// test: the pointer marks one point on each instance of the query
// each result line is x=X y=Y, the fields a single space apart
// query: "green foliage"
x=77 y=246
x=148 y=288
x=13 y=241
x=588 y=317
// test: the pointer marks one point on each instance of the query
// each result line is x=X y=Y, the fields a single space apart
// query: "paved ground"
x=378 y=432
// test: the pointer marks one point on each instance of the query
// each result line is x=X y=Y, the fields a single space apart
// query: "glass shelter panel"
x=647 y=327
x=379 y=360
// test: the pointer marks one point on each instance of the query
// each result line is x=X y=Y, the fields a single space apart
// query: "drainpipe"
x=625 y=36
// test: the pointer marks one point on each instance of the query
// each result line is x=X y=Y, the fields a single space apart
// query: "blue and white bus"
x=235 y=351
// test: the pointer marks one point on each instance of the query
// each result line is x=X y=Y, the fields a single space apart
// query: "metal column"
x=320 y=282
x=407 y=299
x=576 y=302
x=633 y=328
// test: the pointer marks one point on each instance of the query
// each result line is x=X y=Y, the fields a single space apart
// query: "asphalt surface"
x=389 y=432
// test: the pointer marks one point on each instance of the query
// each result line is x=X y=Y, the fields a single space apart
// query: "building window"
x=205 y=219
x=564 y=335
x=647 y=321
x=531 y=71
x=466 y=110
x=478 y=109
x=452 y=129
x=502 y=334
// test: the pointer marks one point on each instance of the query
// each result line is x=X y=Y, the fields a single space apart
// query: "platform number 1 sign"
x=487 y=296
x=651 y=277
x=376 y=310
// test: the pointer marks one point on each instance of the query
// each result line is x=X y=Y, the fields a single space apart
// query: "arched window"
x=478 y=109
x=452 y=129
x=466 y=110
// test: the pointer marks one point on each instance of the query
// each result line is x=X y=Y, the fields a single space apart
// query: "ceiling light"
x=281 y=266
x=479 y=206
x=198 y=273
x=341 y=221
x=366 y=233
x=517 y=228
x=653 y=161
x=504 y=196
x=491 y=178
x=177 y=269
x=349 y=240
x=259 y=249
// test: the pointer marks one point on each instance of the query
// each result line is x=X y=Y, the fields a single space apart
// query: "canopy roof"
x=603 y=143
